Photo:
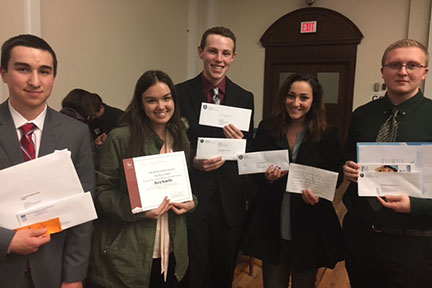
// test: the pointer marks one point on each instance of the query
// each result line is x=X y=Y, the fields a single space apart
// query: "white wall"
x=105 y=45
x=381 y=22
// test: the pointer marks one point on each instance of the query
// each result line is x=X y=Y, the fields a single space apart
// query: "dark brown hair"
x=139 y=123
x=218 y=31
x=82 y=101
x=315 y=120
x=25 y=40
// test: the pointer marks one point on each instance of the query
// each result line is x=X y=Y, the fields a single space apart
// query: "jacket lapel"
x=9 y=142
x=51 y=133
x=197 y=96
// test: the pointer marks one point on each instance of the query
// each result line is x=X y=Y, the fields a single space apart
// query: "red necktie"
x=27 y=145
x=28 y=149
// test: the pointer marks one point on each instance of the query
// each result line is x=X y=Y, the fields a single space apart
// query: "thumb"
x=37 y=232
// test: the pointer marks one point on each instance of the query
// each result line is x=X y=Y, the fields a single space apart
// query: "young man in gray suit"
x=216 y=226
x=28 y=258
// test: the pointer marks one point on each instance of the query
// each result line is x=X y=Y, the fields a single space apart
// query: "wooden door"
x=329 y=53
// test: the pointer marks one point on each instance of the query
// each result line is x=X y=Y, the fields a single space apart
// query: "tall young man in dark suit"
x=27 y=257
x=215 y=228
x=388 y=240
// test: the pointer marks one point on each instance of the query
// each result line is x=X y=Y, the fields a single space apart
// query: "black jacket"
x=316 y=232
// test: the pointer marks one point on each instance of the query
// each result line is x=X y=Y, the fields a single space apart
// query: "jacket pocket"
x=125 y=258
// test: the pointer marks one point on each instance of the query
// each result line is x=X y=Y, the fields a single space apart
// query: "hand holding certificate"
x=222 y=115
x=258 y=162
x=321 y=182
x=152 y=178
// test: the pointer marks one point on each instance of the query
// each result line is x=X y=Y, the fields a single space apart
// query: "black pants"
x=157 y=279
x=213 y=247
x=375 y=259
x=277 y=276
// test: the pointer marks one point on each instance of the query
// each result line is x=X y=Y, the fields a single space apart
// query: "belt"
x=402 y=232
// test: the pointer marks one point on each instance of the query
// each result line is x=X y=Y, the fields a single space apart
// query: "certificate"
x=258 y=162
x=416 y=156
x=228 y=148
x=321 y=182
x=35 y=183
x=222 y=115
x=151 y=178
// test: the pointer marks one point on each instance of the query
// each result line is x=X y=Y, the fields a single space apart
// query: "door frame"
x=334 y=42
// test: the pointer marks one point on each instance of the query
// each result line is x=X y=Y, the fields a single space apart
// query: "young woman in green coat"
x=133 y=250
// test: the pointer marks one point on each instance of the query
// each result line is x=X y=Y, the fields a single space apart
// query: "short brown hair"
x=405 y=43
x=218 y=31
x=25 y=40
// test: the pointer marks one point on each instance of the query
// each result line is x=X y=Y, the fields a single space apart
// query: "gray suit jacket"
x=65 y=258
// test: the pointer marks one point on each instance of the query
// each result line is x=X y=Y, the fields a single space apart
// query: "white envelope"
x=390 y=183
x=72 y=211
x=36 y=182
x=213 y=147
x=258 y=162
x=321 y=182
x=222 y=115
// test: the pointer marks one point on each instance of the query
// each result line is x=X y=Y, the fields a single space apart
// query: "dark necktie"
x=28 y=149
x=216 y=99
x=27 y=145
x=386 y=133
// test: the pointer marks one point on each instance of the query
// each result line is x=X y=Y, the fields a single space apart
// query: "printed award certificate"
x=151 y=178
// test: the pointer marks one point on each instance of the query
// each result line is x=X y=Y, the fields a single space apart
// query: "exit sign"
x=308 y=27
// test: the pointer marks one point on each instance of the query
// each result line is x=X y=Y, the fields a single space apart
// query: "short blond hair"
x=405 y=43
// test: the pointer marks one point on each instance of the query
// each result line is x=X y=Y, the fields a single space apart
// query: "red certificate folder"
x=132 y=185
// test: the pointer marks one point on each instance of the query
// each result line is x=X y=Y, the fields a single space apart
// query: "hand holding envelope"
x=258 y=162
x=321 y=182
x=222 y=115
x=43 y=189
x=228 y=149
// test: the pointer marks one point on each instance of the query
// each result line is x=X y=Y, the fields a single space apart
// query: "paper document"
x=222 y=115
x=52 y=226
x=400 y=169
x=151 y=178
x=321 y=182
x=208 y=148
x=37 y=183
x=72 y=211
x=258 y=162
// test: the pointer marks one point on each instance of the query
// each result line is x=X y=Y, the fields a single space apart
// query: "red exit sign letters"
x=308 y=27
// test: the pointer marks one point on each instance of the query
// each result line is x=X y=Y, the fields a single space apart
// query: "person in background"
x=85 y=107
x=30 y=258
x=128 y=249
x=295 y=234
x=105 y=120
x=388 y=240
x=216 y=227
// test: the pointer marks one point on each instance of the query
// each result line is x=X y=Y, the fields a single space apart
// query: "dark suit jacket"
x=315 y=230
x=65 y=258
x=229 y=184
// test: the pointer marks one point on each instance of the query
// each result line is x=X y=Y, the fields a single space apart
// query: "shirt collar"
x=207 y=85
x=19 y=120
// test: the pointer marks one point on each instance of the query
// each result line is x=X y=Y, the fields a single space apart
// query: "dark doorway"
x=329 y=54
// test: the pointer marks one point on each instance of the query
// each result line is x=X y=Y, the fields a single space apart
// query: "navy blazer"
x=230 y=185
x=65 y=257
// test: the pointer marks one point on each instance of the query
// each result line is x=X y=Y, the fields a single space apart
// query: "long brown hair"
x=315 y=120
x=139 y=123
